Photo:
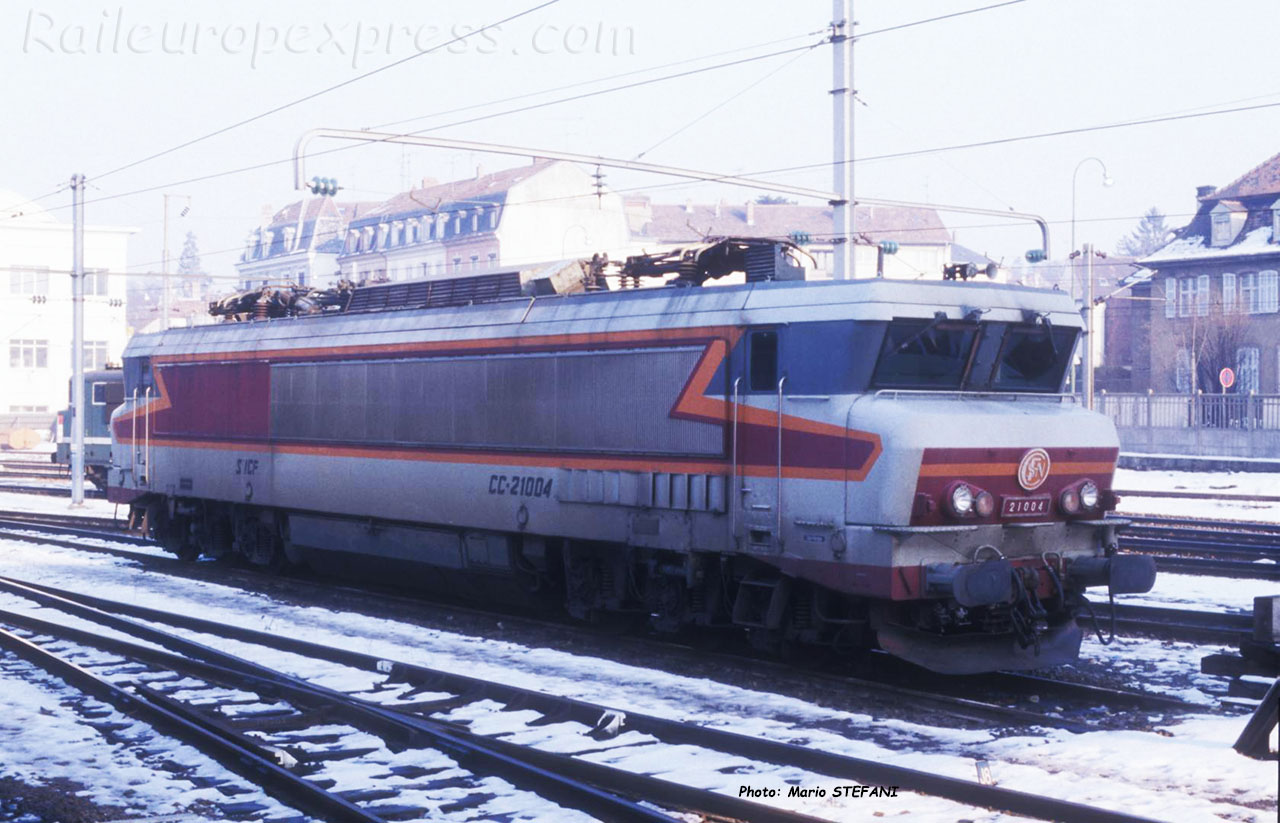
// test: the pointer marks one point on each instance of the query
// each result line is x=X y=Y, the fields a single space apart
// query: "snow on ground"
x=1199 y=593
x=1183 y=771
x=42 y=504
x=41 y=737
x=1252 y=483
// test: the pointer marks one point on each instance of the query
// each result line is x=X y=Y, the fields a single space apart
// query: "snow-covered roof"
x=1255 y=243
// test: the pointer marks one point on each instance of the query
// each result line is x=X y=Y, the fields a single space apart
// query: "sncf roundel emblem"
x=1034 y=469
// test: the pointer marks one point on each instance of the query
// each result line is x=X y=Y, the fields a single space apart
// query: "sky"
x=97 y=87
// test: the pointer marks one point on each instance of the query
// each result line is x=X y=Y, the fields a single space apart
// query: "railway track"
x=284 y=731
x=1177 y=624
x=52 y=491
x=55 y=523
x=879 y=683
x=1206 y=547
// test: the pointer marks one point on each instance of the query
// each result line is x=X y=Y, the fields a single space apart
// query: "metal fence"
x=1243 y=425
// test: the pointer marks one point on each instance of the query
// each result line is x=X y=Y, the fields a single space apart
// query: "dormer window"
x=1221 y=229
x=1227 y=219
x=493 y=218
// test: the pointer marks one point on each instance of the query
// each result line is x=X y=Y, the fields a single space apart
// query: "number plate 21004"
x=1024 y=506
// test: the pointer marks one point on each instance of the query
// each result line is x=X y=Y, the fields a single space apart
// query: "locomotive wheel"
x=189 y=551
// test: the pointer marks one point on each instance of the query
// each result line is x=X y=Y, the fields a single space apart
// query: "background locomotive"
x=103 y=393
x=845 y=463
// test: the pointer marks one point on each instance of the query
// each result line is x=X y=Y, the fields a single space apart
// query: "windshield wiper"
x=939 y=317
x=1043 y=317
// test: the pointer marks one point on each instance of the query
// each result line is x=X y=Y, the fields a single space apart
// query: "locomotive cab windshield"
x=962 y=355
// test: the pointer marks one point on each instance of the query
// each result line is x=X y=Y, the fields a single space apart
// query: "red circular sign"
x=1227 y=378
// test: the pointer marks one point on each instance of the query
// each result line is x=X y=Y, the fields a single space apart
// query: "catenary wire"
x=313 y=95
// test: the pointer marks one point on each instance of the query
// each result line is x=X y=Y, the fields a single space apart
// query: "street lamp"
x=1106 y=181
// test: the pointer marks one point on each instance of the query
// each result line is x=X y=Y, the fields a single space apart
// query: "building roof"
x=14 y=205
x=323 y=206
x=1261 y=179
x=486 y=188
x=1253 y=193
x=964 y=254
x=675 y=223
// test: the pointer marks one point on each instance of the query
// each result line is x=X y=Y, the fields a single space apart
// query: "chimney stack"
x=688 y=207
x=751 y=212
x=1205 y=191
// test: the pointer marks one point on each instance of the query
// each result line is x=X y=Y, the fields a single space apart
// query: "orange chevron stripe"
x=692 y=402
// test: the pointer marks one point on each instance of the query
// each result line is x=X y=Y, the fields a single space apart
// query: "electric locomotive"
x=848 y=463
x=103 y=392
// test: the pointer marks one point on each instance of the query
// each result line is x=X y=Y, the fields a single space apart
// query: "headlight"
x=1088 y=494
x=984 y=504
x=1070 y=501
x=962 y=499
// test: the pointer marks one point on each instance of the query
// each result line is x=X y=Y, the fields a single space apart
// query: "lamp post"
x=1088 y=360
x=1106 y=181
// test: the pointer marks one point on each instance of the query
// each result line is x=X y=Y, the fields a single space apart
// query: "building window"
x=1202 y=295
x=1268 y=292
x=475 y=220
x=1186 y=295
x=457 y=225
x=28 y=409
x=95 y=282
x=493 y=218
x=28 y=354
x=493 y=260
x=475 y=261
x=1247 y=370
x=95 y=355
x=1275 y=225
x=1182 y=371
x=1221 y=229
x=457 y=265
x=29 y=281
x=1228 y=293
x=1170 y=297
x=1248 y=285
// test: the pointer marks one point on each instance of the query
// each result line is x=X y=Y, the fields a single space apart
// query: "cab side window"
x=763 y=365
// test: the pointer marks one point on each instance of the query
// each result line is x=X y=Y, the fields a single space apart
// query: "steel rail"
x=411 y=726
x=1179 y=624
x=966 y=703
x=1208 y=567
x=1177 y=495
x=247 y=761
x=73 y=531
x=1198 y=547
x=867 y=772
x=555 y=784
x=50 y=491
